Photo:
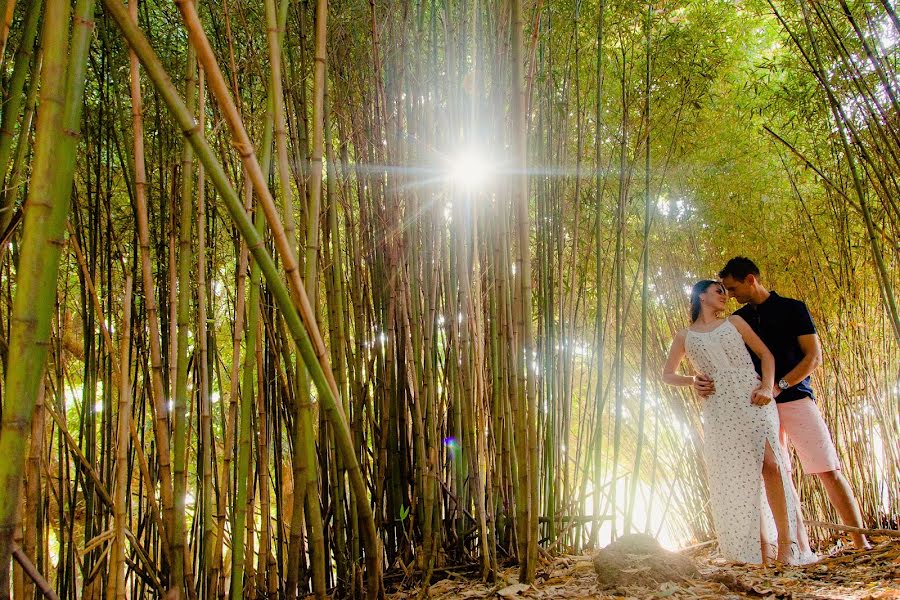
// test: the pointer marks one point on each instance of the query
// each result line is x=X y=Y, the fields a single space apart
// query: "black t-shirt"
x=779 y=321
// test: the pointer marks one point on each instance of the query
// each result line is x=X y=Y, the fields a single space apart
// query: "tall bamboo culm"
x=63 y=74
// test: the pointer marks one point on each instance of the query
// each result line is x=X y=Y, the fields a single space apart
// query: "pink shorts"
x=802 y=424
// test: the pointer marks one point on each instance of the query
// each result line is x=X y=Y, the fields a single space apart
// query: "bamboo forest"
x=345 y=298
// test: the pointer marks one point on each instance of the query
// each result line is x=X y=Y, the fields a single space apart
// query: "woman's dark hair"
x=699 y=288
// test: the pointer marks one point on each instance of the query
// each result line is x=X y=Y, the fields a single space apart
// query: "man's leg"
x=841 y=496
x=802 y=422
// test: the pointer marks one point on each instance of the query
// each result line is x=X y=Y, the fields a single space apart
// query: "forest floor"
x=842 y=573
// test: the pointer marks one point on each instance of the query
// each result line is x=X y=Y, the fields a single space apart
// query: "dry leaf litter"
x=637 y=567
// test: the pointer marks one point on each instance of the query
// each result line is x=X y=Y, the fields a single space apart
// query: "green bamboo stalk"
x=23 y=146
x=645 y=279
x=302 y=442
x=13 y=104
x=335 y=292
x=600 y=336
x=207 y=458
x=314 y=190
x=116 y=583
x=239 y=512
x=231 y=419
x=42 y=240
x=275 y=33
x=185 y=296
x=218 y=572
x=158 y=394
x=620 y=309
x=526 y=393
x=469 y=399
x=34 y=516
x=266 y=576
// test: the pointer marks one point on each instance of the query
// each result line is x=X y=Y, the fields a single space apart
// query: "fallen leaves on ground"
x=845 y=574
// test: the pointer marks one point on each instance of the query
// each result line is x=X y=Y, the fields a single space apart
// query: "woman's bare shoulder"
x=736 y=320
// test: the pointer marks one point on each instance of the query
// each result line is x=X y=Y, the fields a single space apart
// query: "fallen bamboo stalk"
x=151 y=574
x=698 y=546
x=34 y=574
x=100 y=487
x=849 y=529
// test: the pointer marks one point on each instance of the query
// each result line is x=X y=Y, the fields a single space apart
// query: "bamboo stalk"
x=847 y=528
x=207 y=460
x=645 y=277
x=240 y=520
x=42 y=239
x=185 y=296
x=311 y=494
x=525 y=395
x=35 y=575
x=14 y=101
x=9 y=7
x=116 y=584
x=158 y=395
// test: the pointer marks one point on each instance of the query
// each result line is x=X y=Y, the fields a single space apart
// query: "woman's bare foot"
x=768 y=553
x=788 y=553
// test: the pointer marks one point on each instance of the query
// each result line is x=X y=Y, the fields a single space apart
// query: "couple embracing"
x=745 y=432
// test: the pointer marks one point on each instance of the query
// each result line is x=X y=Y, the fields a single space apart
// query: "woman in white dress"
x=740 y=431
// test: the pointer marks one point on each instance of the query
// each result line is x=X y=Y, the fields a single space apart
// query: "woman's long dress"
x=735 y=433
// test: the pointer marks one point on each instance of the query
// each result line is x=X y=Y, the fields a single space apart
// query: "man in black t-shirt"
x=787 y=328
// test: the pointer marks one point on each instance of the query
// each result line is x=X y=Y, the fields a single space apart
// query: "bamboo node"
x=244 y=150
x=79 y=20
x=195 y=129
x=17 y=424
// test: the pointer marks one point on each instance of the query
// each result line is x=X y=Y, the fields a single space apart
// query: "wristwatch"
x=782 y=384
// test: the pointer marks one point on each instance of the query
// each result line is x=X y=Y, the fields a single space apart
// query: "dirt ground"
x=842 y=573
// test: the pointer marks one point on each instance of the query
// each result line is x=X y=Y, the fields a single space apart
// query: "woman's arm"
x=763 y=394
x=676 y=353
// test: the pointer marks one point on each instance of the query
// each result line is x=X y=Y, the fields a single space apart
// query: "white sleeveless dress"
x=735 y=432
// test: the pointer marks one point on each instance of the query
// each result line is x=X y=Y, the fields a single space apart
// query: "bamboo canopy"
x=310 y=297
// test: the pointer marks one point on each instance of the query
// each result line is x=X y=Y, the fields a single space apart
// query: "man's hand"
x=704 y=385
x=762 y=395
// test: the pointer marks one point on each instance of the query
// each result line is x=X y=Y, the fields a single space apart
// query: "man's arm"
x=801 y=323
x=812 y=358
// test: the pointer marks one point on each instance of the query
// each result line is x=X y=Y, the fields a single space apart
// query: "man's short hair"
x=738 y=268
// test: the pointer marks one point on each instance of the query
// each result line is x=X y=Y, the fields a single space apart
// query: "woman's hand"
x=762 y=395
